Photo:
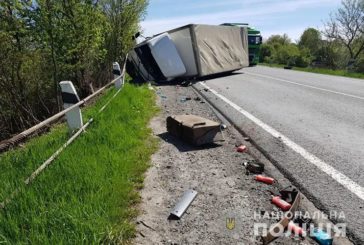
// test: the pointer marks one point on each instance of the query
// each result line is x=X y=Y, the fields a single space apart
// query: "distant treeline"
x=43 y=42
x=340 y=45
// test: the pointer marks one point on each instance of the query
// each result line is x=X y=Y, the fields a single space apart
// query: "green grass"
x=343 y=73
x=88 y=194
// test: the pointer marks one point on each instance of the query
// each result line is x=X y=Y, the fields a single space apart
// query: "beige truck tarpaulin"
x=208 y=49
x=221 y=49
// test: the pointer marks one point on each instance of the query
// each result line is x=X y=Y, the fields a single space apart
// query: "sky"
x=269 y=16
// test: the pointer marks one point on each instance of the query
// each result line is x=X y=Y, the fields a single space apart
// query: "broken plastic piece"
x=282 y=204
x=289 y=194
x=183 y=204
x=254 y=167
x=321 y=237
x=295 y=229
x=264 y=179
x=241 y=148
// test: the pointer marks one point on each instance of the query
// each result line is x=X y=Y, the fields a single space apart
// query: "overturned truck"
x=191 y=51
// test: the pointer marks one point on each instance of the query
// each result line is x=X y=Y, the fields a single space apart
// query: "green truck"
x=254 y=41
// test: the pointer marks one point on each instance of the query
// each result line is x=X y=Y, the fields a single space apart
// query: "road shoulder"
x=216 y=173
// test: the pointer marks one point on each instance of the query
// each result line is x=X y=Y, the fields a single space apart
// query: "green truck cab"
x=254 y=41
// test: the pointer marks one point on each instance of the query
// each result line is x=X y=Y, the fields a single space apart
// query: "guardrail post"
x=117 y=72
x=70 y=97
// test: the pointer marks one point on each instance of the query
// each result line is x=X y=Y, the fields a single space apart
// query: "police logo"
x=230 y=223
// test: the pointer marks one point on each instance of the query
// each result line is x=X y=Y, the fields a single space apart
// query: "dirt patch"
x=215 y=172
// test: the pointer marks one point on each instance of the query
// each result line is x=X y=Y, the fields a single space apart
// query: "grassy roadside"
x=320 y=71
x=87 y=195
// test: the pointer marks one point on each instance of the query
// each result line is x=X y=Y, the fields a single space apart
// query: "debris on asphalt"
x=282 y=204
x=197 y=99
x=148 y=226
x=289 y=194
x=246 y=138
x=194 y=129
x=264 y=179
x=184 y=99
x=254 y=167
x=301 y=220
x=295 y=229
x=215 y=171
x=241 y=148
x=223 y=126
x=277 y=229
x=321 y=237
x=183 y=204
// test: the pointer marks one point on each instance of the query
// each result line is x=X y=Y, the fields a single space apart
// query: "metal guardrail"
x=6 y=144
x=33 y=129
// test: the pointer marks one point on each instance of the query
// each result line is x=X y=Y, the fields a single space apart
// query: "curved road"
x=311 y=125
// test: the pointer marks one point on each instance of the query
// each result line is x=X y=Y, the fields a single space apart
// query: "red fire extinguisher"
x=264 y=179
x=282 y=204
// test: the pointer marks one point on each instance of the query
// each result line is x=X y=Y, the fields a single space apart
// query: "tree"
x=46 y=41
x=279 y=40
x=347 y=26
x=312 y=40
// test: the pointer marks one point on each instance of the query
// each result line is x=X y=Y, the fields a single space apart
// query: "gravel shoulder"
x=215 y=172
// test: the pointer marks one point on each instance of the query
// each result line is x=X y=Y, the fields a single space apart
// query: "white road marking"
x=305 y=85
x=332 y=172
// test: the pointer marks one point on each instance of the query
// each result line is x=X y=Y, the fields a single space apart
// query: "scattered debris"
x=289 y=194
x=254 y=167
x=183 y=204
x=197 y=99
x=282 y=204
x=321 y=237
x=194 y=129
x=295 y=229
x=223 y=126
x=301 y=220
x=148 y=226
x=264 y=179
x=277 y=229
x=241 y=148
x=184 y=99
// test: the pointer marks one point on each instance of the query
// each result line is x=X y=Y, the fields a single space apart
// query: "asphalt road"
x=310 y=125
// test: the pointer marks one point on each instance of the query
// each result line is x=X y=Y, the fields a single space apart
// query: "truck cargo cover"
x=221 y=48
